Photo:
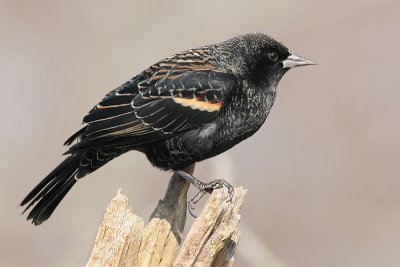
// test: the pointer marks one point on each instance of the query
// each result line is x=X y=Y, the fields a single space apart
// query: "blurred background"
x=323 y=173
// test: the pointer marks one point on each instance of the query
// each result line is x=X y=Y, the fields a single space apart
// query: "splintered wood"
x=124 y=240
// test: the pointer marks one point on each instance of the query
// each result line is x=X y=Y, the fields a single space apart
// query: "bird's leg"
x=207 y=187
x=204 y=188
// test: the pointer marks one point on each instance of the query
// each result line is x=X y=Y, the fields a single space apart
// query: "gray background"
x=322 y=173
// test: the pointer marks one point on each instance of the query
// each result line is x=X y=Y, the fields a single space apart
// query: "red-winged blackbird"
x=184 y=109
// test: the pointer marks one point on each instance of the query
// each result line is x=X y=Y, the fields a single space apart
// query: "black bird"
x=184 y=109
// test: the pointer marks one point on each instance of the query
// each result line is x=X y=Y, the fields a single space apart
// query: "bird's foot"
x=204 y=188
x=216 y=184
x=209 y=188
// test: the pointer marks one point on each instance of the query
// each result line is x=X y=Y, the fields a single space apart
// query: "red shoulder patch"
x=195 y=103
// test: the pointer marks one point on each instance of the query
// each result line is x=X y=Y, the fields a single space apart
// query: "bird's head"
x=261 y=59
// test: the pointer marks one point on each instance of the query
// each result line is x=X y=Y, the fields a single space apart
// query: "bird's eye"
x=273 y=56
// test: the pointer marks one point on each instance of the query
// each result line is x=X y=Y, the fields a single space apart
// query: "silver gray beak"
x=296 y=61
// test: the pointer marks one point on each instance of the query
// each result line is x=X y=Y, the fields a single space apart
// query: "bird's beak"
x=295 y=61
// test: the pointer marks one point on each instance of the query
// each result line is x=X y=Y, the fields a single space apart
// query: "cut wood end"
x=218 y=203
x=214 y=230
x=124 y=240
x=120 y=196
x=117 y=211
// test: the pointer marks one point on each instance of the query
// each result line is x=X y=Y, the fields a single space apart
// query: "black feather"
x=99 y=114
x=51 y=190
x=76 y=135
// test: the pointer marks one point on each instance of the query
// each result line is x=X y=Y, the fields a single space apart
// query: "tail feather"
x=75 y=136
x=51 y=190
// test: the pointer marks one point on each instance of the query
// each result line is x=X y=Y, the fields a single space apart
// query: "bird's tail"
x=46 y=196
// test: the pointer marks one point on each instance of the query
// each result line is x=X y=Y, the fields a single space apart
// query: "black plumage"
x=181 y=110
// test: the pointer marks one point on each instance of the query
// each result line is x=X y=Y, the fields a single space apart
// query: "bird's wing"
x=175 y=95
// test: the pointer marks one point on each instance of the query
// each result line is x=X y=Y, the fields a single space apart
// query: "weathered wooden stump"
x=124 y=240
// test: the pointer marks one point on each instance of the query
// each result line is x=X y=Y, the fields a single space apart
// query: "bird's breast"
x=244 y=115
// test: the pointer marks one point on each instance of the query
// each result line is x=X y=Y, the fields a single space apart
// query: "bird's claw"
x=209 y=188
x=216 y=184
x=192 y=203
